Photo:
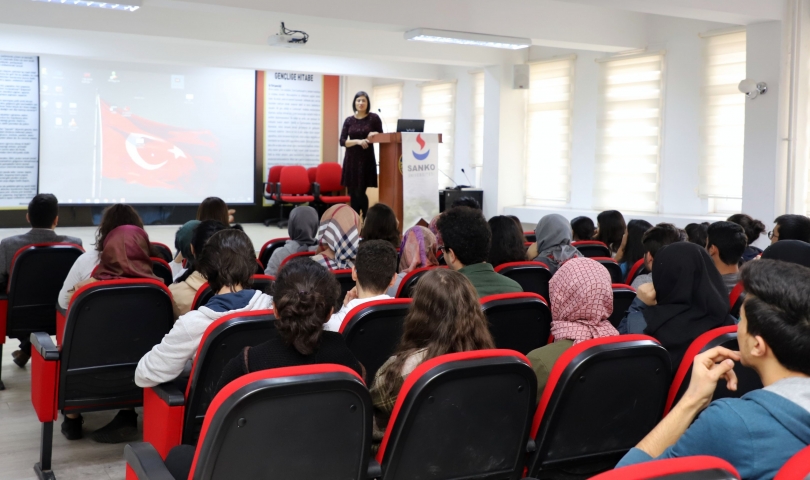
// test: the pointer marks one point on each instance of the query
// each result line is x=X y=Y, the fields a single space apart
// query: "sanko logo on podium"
x=421 y=142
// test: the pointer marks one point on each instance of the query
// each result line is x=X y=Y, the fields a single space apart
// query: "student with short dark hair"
x=583 y=229
x=759 y=432
x=753 y=230
x=726 y=245
x=697 y=233
x=467 y=238
x=653 y=240
x=791 y=227
x=466 y=202
x=374 y=271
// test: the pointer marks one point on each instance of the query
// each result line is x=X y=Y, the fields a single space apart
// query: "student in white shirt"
x=375 y=270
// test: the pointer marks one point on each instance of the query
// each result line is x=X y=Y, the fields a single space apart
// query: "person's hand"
x=364 y=144
x=350 y=295
x=371 y=135
x=646 y=293
x=709 y=368
x=231 y=212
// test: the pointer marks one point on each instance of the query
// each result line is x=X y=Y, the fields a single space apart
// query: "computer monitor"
x=405 y=125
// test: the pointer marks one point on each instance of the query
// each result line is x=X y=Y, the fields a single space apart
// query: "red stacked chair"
x=294 y=188
x=270 y=192
x=269 y=247
x=696 y=468
x=532 y=276
x=328 y=180
x=518 y=321
x=592 y=248
x=312 y=173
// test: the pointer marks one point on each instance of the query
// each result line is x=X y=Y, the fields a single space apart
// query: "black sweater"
x=275 y=353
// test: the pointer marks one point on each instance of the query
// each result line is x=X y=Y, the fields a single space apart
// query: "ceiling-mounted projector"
x=288 y=38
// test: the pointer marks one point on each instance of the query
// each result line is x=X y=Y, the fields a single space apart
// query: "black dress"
x=359 y=165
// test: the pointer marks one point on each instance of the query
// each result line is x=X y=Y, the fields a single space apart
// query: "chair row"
x=294 y=184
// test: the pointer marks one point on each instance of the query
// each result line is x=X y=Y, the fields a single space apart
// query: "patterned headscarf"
x=435 y=229
x=125 y=254
x=338 y=238
x=418 y=249
x=581 y=301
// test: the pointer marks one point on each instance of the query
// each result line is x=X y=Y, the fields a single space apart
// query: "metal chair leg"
x=43 y=467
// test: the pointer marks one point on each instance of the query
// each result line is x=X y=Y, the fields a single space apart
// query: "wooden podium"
x=390 y=178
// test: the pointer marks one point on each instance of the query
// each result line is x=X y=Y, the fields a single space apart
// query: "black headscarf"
x=793 y=251
x=691 y=298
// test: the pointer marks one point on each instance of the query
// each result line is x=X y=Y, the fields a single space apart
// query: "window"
x=388 y=98
x=629 y=133
x=478 y=126
x=548 y=132
x=439 y=112
x=723 y=128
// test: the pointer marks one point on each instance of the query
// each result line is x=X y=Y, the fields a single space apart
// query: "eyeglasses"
x=771 y=234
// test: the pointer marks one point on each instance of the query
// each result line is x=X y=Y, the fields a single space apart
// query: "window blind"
x=723 y=128
x=629 y=133
x=438 y=107
x=478 y=126
x=388 y=98
x=548 y=132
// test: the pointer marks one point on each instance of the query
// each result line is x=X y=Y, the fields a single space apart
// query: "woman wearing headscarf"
x=553 y=245
x=793 y=251
x=581 y=302
x=182 y=244
x=302 y=227
x=686 y=299
x=338 y=238
x=418 y=249
x=434 y=229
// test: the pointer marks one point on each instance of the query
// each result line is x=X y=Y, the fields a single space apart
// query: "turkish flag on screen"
x=141 y=151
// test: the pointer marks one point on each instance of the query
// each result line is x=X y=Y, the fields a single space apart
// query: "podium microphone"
x=457 y=187
x=379 y=111
x=465 y=176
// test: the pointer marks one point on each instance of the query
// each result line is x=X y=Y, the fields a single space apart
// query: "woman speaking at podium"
x=360 y=164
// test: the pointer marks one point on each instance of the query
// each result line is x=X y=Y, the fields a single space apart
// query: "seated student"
x=793 y=251
x=610 y=228
x=433 y=227
x=182 y=245
x=467 y=239
x=686 y=299
x=214 y=208
x=653 y=240
x=726 y=244
x=419 y=249
x=374 y=271
x=228 y=261
x=581 y=303
x=113 y=217
x=466 y=202
x=381 y=224
x=697 y=233
x=583 y=229
x=791 y=227
x=553 y=245
x=753 y=229
x=632 y=250
x=302 y=228
x=445 y=317
x=759 y=432
x=508 y=242
x=185 y=288
x=338 y=238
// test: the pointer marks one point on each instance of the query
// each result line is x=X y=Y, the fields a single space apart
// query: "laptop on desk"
x=405 y=125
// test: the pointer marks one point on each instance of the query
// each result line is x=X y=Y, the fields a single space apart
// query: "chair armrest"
x=272 y=189
x=42 y=343
x=374 y=469
x=163 y=416
x=170 y=394
x=145 y=462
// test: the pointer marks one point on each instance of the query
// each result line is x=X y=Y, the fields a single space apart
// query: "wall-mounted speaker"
x=520 y=77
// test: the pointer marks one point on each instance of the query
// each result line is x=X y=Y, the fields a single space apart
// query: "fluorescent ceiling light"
x=126 y=5
x=465 y=38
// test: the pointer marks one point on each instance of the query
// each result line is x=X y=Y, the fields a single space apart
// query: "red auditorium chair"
x=684 y=468
x=261 y=282
x=328 y=181
x=172 y=416
x=592 y=248
x=164 y=251
x=259 y=268
x=373 y=330
x=623 y=296
x=637 y=269
x=344 y=277
x=530 y=236
x=797 y=468
x=162 y=270
x=110 y=325
x=747 y=379
x=461 y=416
x=296 y=255
x=308 y=422
x=518 y=321
x=735 y=299
x=407 y=283
x=312 y=173
x=602 y=397
x=36 y=275
x=269 y=247
x=270 y=192
x=612 y=267
x=532 y=276
x=293 y=187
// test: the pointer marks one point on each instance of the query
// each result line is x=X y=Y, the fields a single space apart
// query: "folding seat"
x=296 y=255
x=623 y=296
x=518 y=321
x=409 y=281
x=328 y=180
x=637 y=269
x=163 y=251
x=372 y=331
x=308 y=422
x=602 y=397
x=530 y=236
x=172 y=416
x=592 y=248
x=532 y=276
x=344 y=277
x=269 y=247
x=205 y=293
x=110 y=325
x=293 y=188
x=683 y=468
x=747 y=379
x=613 y=268
x=797 y=468
x=36 y=275
x=461 y=416
x=162 y=270
x=735 y=299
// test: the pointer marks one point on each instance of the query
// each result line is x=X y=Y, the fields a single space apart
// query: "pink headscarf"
x=434 y=228
x=125 y=254
x=418 y=249
x=581 y=301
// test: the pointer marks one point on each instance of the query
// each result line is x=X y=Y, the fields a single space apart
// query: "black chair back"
x=263 y=283
x=268 y=249
x=592 y=248
x=532 y=276
x=344 y=277
x=518 y=321
x=612 y=267
x=162 y=270
x=623 y=296
x=204 y=294
x=373 y=330
x=163 y=251
x=409 y=281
